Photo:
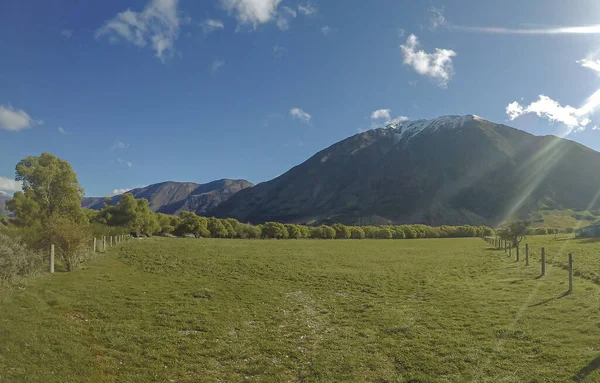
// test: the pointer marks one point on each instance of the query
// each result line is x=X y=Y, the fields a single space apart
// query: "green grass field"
x=186 y=310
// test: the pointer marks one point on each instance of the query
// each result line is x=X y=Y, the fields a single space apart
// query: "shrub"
x=16 y=261
x=70 y=238
x=541 y=231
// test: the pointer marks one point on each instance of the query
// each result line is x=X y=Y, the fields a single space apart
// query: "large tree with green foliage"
x=50 y=187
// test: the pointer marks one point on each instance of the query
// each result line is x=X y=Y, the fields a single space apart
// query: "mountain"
x=3 y=198
x=173 y=197
x=449 y=170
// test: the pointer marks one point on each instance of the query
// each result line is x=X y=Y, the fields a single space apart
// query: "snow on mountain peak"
x=410 y=128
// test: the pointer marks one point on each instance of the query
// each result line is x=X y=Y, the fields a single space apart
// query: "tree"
x=369 y=231
x=216 y=228
x=50 y=187
x=274 y=230
x=166 y=224
x=357 y=232
x=515 y=232
x=293 y=231
x=540 y=231
x=341 y=231
x=383 y=233
x=25 y=207
x=323 y=232
x=190 y=223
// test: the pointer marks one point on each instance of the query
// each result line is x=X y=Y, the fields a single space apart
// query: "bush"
x=71 y=240
x=540 y=231
x=16 y=261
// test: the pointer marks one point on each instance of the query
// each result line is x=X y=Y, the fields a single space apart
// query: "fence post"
x=510 y=251
x=51 y=263
x=543 y=261
x=505 y=246
x=526 y=254
x=94 y=244
x=517 y=253
x=104 y=243
x=570 y=273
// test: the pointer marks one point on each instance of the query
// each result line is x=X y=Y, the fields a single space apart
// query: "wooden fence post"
x=505 y=249
x=570 y=273
x=526 y=254
x=517 y=253
x=51 y=263
x=110 y=241
x=94 y=244
x=543 y=261
x=104 y=243
x=510 y=251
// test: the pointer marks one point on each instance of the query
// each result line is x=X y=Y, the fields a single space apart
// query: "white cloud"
x=216 y=64
x=9 y=185
x=119 y=191
x=384 y=116
x=326 y=30
x=300 y=114
x=596 y=127
x=66 y=33
x=306 y=9
x=157 y=24
x=575 y=119
x=401 y=32
x=119 y=145
x=211 y=25
x=437 y=65
x=14 y=120
x=284 y=18
x=129 y=164
x=381 y=114
x=590 y=63
x=252 y=12
x=437 y=19
x=61 y=130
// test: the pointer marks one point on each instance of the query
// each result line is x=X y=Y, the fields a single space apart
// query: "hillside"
x=173 y=197
x=450 y=170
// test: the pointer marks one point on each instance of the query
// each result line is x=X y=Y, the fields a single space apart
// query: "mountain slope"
x=450 y=170
x=173 y=197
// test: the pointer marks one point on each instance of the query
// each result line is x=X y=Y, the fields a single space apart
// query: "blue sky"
x=138 y=92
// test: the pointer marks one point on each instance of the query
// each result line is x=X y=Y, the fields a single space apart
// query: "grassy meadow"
x=210 y=310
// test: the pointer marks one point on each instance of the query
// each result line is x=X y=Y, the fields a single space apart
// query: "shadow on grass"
x=550 y=299
x=591 y=240
x=587 y=370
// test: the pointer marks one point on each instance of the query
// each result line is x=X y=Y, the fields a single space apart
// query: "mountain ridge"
x=449 y=170
x=171 y=197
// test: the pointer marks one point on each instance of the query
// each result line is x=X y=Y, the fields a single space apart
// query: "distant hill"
x=449 y=170
x=172 y=197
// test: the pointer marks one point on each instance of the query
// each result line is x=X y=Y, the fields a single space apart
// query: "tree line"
x=48 y=211
x=136 y=216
